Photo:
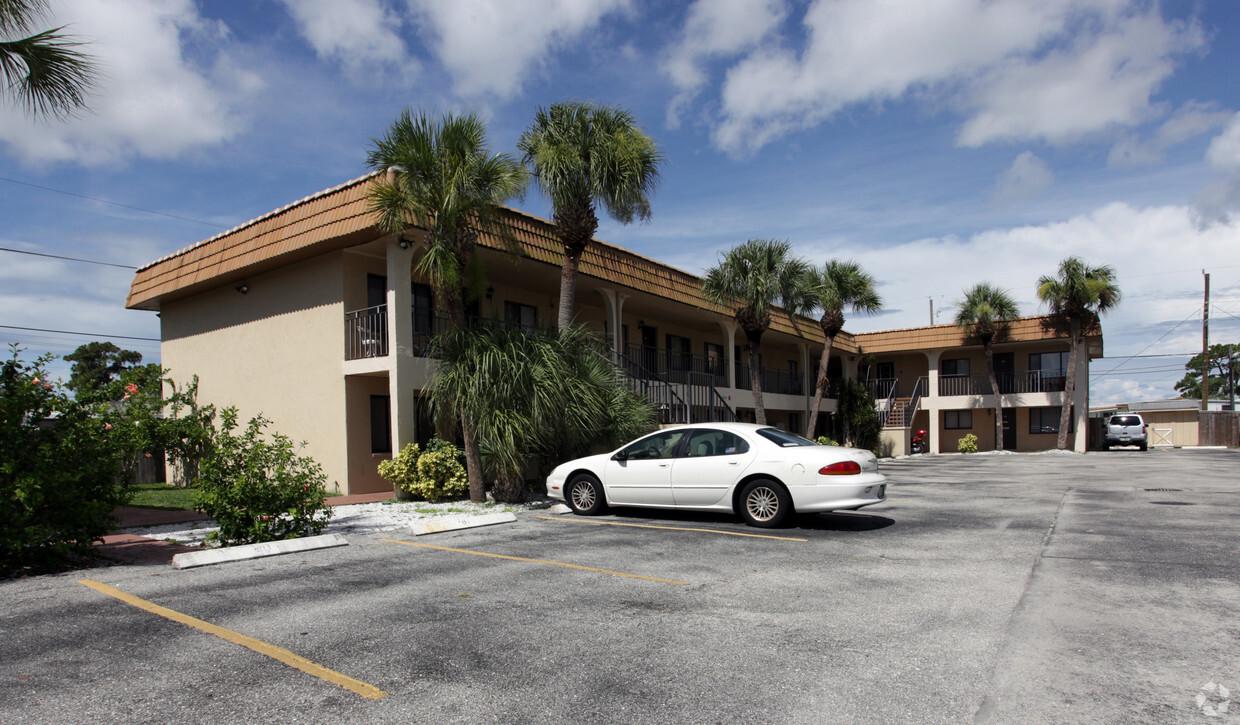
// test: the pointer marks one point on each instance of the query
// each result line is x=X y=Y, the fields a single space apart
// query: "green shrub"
x=432 y=475
x=825 y=441
x=257 y=488
x=967 y=444
x=59 y=470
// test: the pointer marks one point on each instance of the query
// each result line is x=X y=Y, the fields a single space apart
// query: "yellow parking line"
x=259 y=646
x=669 y=528
x=538 y=561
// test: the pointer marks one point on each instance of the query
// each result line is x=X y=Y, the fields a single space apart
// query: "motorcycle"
x=919 y=442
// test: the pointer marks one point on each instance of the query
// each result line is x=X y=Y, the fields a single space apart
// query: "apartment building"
x=317 y=319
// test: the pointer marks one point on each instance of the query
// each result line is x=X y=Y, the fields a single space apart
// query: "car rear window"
x=1125 y=420
x=783 y=438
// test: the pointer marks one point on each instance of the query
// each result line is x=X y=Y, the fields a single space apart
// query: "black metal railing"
x=882 y=388
x=1030 y=381
x=365 y=333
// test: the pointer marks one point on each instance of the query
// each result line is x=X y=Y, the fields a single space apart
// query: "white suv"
x=1127 y=429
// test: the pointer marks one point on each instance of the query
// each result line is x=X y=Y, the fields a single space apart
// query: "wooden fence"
x=1218 y=428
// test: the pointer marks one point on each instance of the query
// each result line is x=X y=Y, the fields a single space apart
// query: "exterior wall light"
x=243 y=288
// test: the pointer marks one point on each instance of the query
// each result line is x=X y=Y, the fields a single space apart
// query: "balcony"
x=1031 y=381
x=366 y=331
x=681 y=367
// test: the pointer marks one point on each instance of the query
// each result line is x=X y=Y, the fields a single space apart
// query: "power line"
x=71 y=259
x=84 y=334
x=113 y=203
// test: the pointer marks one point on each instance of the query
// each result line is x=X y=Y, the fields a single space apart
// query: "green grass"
x=164 y=497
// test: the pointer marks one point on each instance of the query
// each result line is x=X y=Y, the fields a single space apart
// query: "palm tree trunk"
x=1069 y=386
x=994 y=390
x=473 y=461
x=568 y=286
x=820 y=390
x=755 y=382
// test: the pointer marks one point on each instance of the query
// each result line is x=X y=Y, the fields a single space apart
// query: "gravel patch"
x=361 y=518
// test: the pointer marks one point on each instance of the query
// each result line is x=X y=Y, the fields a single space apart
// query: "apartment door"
x=1009 y=429
x=650 y=348
x=1005 y=371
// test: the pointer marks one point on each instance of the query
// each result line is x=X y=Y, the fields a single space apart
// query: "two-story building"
x=317 y=319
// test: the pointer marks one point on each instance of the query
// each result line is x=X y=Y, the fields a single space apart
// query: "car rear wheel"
x=764 y=503
x=585 y=495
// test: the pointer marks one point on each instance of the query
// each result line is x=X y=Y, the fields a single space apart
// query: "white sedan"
x=762 y=473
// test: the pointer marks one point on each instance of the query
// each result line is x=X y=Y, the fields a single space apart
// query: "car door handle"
x=733 y=463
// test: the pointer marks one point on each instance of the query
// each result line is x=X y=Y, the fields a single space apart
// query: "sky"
x=938 y=143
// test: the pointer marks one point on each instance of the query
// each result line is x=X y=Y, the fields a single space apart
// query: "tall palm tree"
x=985 y=314
x=443 y=178
x=835 y=286
x=44 y=72
x=583 y=155
x=751 y=278
x=1077 y=298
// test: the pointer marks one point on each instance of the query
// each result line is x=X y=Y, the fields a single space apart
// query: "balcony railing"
x=1030 y=381
x=365 y=333
x=883 y=388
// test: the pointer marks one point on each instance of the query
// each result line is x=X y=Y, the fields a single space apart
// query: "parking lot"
x=1015 y=589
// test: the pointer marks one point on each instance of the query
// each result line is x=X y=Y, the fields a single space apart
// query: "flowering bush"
x=59 y=469
x=825 y=441
x=967 y=444
x=432 y=475
x=257 y=488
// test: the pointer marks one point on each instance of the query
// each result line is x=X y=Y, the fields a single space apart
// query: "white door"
x=643 y=474
x=711 y=463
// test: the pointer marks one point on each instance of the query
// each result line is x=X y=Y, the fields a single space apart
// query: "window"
x=958 y=419
x=679 y=356
x=380 y=424
x=1046 y=420
x=659 y=445
x=714 y=358
x=519 y=315
x=955 y=366
x=376 y=290
x=714 y=443
x=1051 y=364
x=784 y=439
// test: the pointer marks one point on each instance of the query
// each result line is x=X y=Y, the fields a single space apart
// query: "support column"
x=729 y=350
x=400 y=342
x=613 y=308
x=931 y=396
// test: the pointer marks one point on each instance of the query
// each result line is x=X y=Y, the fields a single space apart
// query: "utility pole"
x=931 y=311
x=1205 y=347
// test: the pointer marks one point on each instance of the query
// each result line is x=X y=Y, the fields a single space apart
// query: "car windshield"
x=783 y=438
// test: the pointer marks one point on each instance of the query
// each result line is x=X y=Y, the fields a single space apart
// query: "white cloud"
x=490 y=48
x=1219 y=200
x=715 y=28
x=152 y=99
x=359 y=34
x=1054 y=71
x=1027 y=177
x=1190 y=121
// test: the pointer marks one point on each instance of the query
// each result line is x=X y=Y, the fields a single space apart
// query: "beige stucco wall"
x=275 y=350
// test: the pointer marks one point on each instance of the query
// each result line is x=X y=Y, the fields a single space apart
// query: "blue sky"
x=937 y=142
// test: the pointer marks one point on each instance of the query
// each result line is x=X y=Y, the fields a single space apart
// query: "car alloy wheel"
x=764 y=503
x=585 y=495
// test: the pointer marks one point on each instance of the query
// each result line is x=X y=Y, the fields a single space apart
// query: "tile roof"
x=1023 y=329
x=338 y=218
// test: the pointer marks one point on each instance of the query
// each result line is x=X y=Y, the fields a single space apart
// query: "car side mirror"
x=620 y=456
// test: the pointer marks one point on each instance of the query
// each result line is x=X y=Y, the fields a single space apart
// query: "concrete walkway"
x=128 y=548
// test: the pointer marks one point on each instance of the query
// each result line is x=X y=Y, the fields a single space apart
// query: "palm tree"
x=583 y=155
x=531 y=395
x=985 y=315
x=751 y=278
x=44 y=72
x=442 y=177
x=833 y=287
x=1077 y=298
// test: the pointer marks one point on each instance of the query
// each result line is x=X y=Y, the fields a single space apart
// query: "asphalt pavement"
x=1096 y=588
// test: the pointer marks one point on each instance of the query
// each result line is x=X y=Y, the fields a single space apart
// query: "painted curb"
x=256 y=551
x=435 y=526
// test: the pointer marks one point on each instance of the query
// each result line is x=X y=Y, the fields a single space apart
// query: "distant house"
x=314 y=317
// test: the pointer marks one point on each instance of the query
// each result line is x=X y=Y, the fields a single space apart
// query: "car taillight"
x=843 y=468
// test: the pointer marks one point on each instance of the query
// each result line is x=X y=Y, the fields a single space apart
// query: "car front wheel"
x=764 y=504
x=585 y=495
